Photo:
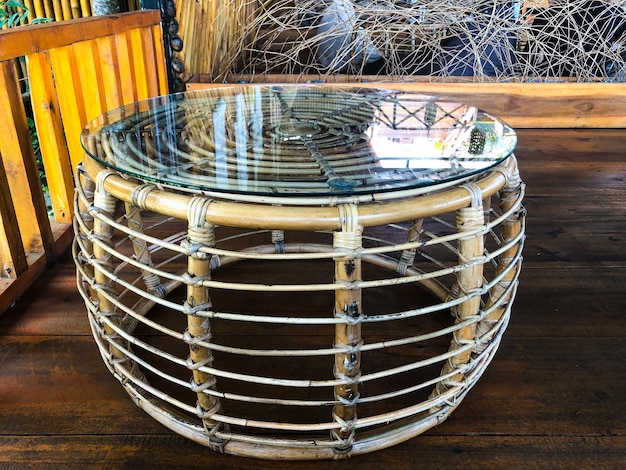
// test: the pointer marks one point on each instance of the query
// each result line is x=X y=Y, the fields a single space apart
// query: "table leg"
x=200 y=235
x=408 y=256
x=469 y=282
x=278 y=239
x=152 y=282
x=83 y=198
x=501 y=294
x=348 y=332
x=103 y=261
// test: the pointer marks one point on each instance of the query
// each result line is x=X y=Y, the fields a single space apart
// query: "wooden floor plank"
x=60 y=386
x=552 y=398
x=428 y=452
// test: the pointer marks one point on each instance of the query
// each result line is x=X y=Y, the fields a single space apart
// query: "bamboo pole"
x=66 y=8
x=48 y=8
x=40 y=11
x=348 y=333
x=104 y=202
x=200 y=233
x=469 y=281
x=31 y=10
x=75 y=7
x=85 y=8
x=57 y=10
x=500 y=295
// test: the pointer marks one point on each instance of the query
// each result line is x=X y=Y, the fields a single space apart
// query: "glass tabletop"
x=300 y=140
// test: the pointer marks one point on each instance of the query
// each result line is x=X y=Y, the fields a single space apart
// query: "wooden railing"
x=77 y=70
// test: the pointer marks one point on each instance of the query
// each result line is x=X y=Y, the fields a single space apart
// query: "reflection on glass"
x=300 y=140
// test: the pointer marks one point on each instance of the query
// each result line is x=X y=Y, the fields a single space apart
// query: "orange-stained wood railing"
x=77 y=70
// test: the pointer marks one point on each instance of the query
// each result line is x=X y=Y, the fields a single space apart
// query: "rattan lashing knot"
x=139 y=195
x=463 y=342
x=194 y=309
x=344 y=436
x=196 y=213
x=197 y=339
x=199 y=231
x=476 y=194
x=348 y=380
x=349 y=218
x=348 y=241
x=200 y=387
x=407 y=259
x=194 y=249
x=207 y=413
x=102 y=200
x=278 y=239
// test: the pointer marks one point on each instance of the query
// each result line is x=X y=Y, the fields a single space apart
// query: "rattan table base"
x=149 y=262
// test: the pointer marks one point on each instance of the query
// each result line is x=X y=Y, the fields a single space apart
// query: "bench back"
x=76 y=70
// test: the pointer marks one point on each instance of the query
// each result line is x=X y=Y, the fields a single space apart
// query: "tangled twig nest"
x=498 y=40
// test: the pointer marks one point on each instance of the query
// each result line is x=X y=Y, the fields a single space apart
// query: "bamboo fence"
x=59 y=10
x=215 y=34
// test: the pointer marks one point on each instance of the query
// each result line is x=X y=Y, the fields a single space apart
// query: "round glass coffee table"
x=298 y=272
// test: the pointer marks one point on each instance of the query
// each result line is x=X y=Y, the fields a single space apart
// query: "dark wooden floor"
x=554 y=396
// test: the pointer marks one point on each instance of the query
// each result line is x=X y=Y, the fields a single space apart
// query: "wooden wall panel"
x=521 y=105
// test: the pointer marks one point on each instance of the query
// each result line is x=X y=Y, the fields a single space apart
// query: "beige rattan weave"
x=153 y=264
x=482 y=40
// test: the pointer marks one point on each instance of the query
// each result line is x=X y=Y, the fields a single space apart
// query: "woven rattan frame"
x=461 y=243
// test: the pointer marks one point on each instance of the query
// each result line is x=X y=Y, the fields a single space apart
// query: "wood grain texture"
x=553 y=397
x=23 y=41
x=521 y=105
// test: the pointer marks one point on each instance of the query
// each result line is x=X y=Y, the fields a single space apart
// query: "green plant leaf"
x=16 y=4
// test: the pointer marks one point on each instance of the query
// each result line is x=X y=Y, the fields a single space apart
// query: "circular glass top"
x=298 y=140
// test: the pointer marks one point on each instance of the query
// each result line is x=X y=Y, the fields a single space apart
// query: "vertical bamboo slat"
x=40 y=11
x=85 y=8
x=48 y=115
x=90 y=78
x=138 y=60
x=20 y=165
x=110 y=72
x=66 y=9
x=58 y=10
x=76 y=11
x=31 y=10
x=149 y=63
x=48 y=8
x=210 y=30
x=70 y=100
x=127 y=78
x=12 y=256
x=159 y=60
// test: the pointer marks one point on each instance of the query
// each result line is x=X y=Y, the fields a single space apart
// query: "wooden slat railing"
x=77 y=70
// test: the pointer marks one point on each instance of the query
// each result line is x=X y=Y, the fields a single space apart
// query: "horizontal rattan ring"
x=313 y=217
